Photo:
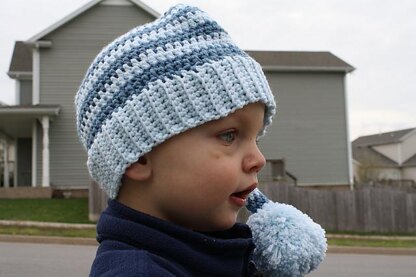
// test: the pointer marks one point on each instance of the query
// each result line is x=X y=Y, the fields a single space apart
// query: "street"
x=34 y=259
x=360 y=265
x=30 y=259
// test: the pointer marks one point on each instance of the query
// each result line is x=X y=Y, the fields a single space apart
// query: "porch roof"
x=16 y=121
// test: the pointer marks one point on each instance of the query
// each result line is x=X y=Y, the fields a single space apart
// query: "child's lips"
x=240 y=198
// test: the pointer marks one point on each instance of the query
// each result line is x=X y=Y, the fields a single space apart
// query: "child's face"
x=197 y=175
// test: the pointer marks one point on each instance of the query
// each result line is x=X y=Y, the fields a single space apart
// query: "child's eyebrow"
x=244 y=120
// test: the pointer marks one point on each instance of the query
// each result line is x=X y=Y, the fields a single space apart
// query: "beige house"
x=386 y=156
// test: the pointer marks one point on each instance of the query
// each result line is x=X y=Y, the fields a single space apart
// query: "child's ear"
x=140 y=170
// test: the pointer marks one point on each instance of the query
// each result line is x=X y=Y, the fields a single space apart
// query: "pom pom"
x=288 y=242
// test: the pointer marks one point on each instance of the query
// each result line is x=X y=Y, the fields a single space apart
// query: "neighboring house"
x=309 y=137
x=386 y=156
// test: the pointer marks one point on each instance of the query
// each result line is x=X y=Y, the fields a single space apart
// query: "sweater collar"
x=224 y=253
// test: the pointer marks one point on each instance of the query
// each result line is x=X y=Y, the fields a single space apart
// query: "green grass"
x=35 y=231
x=373 y=243
x=48 y=210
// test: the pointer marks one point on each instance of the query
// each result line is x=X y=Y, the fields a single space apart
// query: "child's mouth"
x=240 y=198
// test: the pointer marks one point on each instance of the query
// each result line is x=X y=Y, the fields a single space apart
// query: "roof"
x=368 y=157
x=270 y=60
x=300 y=61
x=21 y=59
x=82 y=9
x=383 y=138
x=17 y=121
x=410 y=162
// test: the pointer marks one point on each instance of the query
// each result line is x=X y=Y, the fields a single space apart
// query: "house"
x=385 y=156
x=308 y=141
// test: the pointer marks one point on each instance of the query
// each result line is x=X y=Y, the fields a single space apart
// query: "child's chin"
x=224 y=225
x=217 y=226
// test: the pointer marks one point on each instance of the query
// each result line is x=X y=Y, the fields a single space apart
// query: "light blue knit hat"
x=159 y=80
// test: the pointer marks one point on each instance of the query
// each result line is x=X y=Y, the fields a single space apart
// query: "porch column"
x=45 y=151
x=6 y=164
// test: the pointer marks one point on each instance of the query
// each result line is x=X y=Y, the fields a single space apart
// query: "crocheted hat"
x=159 y=80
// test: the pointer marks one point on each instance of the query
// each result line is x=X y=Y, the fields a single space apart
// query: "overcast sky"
x=377 y=37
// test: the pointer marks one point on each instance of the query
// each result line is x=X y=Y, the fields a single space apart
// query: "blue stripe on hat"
x=168 y=18
x=161 y=70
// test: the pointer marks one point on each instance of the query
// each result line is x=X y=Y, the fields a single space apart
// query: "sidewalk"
x=92 y=241
x=46 y=224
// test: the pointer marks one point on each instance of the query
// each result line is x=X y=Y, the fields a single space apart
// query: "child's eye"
x=228 y=137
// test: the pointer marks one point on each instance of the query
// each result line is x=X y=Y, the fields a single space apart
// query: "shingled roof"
x=300 y=61
x=383 y=138
x=269 y=60
x=21 y=58
x=369 y=157
x=410 y=162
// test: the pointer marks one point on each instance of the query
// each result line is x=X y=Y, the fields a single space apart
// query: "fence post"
x=97 y=201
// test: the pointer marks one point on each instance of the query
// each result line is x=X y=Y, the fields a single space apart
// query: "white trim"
x=36 y=77
x=403 y=138
x=146 y=8
x=17 y=92
x=22 y=75
x=322 y=184
x=287 y=68
x=6 y=178
x=399 y=154
x=349 y=148
x=116 y=3
x=39 y=110
x=64 y=20
x=45 y=151
x=15 y=179
x=34 y=152
x=80 y=11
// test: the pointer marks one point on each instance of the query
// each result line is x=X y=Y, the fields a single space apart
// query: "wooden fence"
x=367 y=209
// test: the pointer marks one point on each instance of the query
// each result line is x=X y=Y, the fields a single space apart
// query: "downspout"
x=17 y=92
x=399 y=158
x=36 y=77
x=36 y=98
x=349 y=151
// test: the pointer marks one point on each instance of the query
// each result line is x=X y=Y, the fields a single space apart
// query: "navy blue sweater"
x=137 y=244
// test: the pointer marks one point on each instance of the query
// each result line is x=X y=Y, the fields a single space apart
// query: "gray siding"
x=24 y=162
x=310 y=131
x=62 y=68
x=25 y=92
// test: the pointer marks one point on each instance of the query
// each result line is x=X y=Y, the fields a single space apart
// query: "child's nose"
x=254 y=160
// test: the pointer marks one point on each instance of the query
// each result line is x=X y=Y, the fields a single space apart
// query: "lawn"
x=47 y=210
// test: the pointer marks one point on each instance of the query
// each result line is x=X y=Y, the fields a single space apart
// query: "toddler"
x=170 y=114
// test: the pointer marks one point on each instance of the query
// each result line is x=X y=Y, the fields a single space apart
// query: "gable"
x=88 y=6
x=408 y=147
x=368 y=157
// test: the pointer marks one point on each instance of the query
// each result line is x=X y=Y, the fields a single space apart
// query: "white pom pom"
x=288 y=242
